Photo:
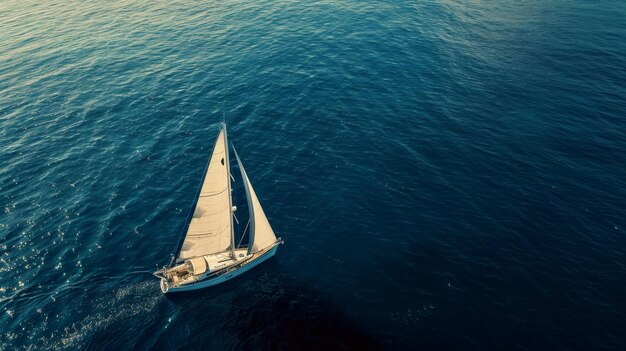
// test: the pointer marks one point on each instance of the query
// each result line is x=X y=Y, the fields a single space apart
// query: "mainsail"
x=261 y=233
x=210 y=228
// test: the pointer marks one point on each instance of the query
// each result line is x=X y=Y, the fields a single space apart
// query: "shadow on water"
x=268 y=312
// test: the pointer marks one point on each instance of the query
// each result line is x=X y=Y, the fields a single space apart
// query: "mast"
x=230 y=194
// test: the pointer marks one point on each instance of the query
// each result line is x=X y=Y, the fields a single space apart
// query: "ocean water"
x=445 y=174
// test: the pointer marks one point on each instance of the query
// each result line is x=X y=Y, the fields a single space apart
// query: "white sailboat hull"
x=253 y=262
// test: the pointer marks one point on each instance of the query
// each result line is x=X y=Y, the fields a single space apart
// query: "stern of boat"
x=164 y=285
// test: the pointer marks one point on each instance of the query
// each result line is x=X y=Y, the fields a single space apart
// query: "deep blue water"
x=446 y=174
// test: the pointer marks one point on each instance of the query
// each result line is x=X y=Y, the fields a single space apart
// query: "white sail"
x=210 y=229
x=261 y=233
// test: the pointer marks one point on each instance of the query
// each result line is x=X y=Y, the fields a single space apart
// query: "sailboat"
x=207 y=254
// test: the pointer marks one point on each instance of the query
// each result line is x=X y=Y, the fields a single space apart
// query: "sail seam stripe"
x=214 y=193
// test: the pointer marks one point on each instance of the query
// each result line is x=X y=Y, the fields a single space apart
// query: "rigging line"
x=244 y=233
x=235 y=217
